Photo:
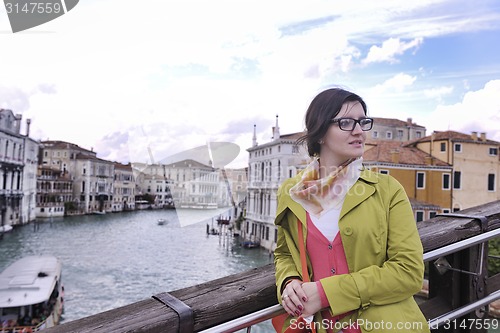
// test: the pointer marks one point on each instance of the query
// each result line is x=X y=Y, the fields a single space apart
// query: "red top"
x=327 y=259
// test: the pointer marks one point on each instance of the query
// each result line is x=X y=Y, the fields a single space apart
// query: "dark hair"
x=323 y=108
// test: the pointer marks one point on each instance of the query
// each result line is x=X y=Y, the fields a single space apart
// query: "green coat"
x=383 y=251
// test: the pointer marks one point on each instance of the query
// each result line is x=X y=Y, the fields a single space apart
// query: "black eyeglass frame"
x=356 y=121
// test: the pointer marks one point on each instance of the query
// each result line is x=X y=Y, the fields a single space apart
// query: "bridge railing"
x=459 y=288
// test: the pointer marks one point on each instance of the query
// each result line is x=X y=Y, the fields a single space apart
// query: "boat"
x=250 y=244
x=223 y=220
x=31 y=294
x=162 y=221
x=5 y=228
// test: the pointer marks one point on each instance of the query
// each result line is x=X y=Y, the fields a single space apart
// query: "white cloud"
x=438 y=92
x=397 y=83
x=390 y=49
x=479 y=111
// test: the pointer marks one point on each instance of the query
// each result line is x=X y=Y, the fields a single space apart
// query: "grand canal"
x=116 y=259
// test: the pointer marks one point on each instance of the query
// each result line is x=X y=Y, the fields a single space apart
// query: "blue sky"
x=122 y=76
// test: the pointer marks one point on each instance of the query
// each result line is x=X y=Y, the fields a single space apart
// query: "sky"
x=141 y=81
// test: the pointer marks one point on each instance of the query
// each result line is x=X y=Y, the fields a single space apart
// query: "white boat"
x=31 y=294
x=162 y=221
x=5 y=228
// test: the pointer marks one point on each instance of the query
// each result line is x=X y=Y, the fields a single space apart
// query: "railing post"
x=476 y=259
x=442 y=290
x=460 y=279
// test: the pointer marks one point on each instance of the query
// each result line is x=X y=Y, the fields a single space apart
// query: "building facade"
x=18 y=163
x=92 y=177
x=54 y=191
x=186 y=184
x=395 y=129
x=29 y=178
x=269 y=165
x=123 y=188
x=426 y=180
x=475 y=161
x=235 y=183
x=93 y=184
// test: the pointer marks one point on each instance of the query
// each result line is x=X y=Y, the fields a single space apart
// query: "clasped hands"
x=301 y=298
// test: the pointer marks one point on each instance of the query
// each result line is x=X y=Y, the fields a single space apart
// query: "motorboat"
x=5 y=228
x=162 y=221
x=31 y=294
x=250 y=244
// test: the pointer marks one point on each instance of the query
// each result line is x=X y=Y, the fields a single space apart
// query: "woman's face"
x=338 y=145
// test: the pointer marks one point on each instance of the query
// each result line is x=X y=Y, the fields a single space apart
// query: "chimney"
x=28 y=123
x=17 y=123
x=428 y=160
x=409 y=122
x=483 y=136
x=474 y=136
x=395 y=156
x=254 y=139
x=276 y=130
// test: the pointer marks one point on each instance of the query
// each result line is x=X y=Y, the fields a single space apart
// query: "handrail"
x=457 y=313
x=460 y=245
x=247 y=321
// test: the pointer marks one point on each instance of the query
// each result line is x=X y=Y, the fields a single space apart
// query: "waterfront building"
x=18 y=156
x=94 y=184
x=269 y=164
x=195 y=185
x=153 y=190
x=29 y=178
x=191 y=184
x=425 y=179
x=235 y=182
x=123 y=188
x=475 y=161
x=92 y=177
x=54 y=191
x=395 y=129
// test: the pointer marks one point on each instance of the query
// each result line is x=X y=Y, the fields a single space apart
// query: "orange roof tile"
x=392 y=122
x=454 y=137
x=382 y=151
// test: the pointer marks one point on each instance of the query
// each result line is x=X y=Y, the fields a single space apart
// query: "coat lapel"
x=361 y=191
x=286 y=202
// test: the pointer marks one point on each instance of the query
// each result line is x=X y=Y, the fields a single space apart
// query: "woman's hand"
x=293 y=298
x=301 y=299
x=313 y=303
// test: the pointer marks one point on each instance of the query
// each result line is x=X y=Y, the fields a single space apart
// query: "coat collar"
x=361 y=191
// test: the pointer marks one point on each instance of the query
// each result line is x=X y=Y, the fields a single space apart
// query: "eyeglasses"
x=348 y=124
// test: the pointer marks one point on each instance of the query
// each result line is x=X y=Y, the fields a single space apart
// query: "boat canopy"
x=30 y=280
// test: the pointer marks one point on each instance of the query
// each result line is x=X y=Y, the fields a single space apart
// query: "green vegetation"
x=494 y=250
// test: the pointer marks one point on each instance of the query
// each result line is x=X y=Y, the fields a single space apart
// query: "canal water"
x=116 y=259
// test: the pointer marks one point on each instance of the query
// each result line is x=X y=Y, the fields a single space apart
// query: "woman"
x=364 y=254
